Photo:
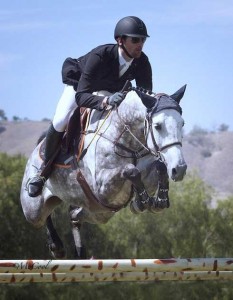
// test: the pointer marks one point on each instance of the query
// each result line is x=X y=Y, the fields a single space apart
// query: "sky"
x=191 y=42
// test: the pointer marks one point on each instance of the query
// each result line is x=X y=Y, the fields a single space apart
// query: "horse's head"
x=163 y=129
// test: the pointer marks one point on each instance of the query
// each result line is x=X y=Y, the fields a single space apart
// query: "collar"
x=122 y=61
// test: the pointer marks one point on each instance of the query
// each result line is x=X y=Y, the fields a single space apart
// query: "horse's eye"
x=157 y=126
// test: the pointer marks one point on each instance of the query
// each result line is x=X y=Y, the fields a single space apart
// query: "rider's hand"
x=115 y=99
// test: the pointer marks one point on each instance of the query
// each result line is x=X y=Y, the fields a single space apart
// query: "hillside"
x=210 y=154
x=20 y=137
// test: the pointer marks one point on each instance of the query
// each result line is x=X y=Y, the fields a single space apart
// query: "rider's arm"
x=88 y=83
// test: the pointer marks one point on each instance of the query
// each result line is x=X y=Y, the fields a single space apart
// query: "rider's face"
x=133 y=45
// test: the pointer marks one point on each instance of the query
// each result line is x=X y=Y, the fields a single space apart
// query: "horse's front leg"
x=161 y=201
x=143 y=200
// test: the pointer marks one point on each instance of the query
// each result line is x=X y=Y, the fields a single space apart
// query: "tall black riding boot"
x=52 y=142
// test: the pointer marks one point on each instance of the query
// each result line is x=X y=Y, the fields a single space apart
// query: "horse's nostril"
x=179 y=172
x=174 y=172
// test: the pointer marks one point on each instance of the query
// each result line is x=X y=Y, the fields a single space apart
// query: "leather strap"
x=93 y=200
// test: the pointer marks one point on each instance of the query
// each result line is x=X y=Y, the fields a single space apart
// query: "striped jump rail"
x=183 y=269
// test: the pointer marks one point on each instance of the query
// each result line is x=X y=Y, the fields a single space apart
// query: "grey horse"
x=130 y=153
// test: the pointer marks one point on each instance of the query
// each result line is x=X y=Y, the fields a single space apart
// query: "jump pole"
x=112 y=277
x=185 y=269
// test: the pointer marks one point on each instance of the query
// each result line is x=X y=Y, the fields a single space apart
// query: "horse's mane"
x=132 y=107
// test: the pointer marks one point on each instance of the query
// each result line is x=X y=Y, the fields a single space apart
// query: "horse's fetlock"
x=76 y=214
x=76 y=224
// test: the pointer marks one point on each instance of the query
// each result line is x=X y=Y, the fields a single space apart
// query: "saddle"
x=73 y=139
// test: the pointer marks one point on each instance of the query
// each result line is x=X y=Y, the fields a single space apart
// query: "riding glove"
x=115 y=99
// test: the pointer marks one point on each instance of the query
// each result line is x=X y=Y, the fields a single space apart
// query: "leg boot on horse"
x=36 y=184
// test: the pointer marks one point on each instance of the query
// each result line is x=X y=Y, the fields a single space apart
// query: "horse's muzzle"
x=178 y=172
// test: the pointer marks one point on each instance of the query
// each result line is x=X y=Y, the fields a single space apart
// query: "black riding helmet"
x=130 y=26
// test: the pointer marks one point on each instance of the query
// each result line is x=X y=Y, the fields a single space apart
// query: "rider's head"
x=130 y=34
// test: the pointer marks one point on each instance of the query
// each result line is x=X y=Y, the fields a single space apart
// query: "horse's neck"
x=130 y=113
x=132 y=109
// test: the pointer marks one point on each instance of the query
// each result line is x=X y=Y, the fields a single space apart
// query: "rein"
x=143 y=150
x=95 y=134
x=135 y=154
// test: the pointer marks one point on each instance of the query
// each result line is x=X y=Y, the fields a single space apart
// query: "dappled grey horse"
x=129 y=155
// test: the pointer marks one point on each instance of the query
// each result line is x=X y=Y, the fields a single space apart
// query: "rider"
x=107 y=67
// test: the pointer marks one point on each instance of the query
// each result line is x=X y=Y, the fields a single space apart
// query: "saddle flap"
x=73 y=140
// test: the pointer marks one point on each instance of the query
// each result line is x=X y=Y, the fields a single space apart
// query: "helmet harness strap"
x=123 y=47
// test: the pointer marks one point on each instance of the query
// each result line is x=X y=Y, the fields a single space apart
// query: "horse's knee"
x=131 y=172
x=134 y=175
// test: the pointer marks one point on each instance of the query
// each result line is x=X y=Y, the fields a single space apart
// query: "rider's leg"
x=53 y=139
x=54 y=135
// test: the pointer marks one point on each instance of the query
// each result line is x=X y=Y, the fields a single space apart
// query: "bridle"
x=150 y=131
x=148 y=125
x=144 y=149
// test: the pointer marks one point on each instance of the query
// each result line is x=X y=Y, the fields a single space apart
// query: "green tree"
x=18 y=239
x=184 y=229
x=189 y=228
x=198 y=131
x=223 y=227
x=16 y=118
x=223 y=127
x=2 y=115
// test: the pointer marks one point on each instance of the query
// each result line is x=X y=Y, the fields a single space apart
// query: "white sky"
x=190 y=42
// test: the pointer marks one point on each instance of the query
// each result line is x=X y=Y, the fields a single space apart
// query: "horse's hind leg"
x=54 y=242
x=76 y=222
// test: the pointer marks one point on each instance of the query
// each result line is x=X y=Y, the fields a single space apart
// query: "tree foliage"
x=17 y=238
x=223 y=127
x=3 y=116
x=189 y=228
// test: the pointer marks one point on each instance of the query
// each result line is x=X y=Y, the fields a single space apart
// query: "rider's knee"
x=60 y=125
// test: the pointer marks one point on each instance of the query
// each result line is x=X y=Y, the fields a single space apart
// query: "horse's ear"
x=147 y=100
x=178 y=95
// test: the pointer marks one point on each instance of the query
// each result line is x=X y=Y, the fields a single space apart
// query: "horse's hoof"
x=57 y=253
x=80 y=253
x=158 y=205
x=136 y=207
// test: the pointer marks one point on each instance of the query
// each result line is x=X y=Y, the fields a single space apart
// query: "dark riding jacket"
x=99 y=70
